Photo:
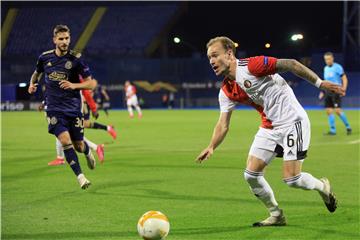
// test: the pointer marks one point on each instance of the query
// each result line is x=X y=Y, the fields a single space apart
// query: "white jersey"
x=130 y=91
x=258 y=85
x=132 y=99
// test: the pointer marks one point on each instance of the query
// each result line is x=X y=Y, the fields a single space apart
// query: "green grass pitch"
x=151 y=167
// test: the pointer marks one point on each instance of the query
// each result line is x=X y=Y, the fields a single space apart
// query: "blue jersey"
x=68 y=67
x=334 y=73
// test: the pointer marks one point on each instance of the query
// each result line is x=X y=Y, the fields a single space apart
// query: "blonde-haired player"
x=131 y=99
x=285 y=128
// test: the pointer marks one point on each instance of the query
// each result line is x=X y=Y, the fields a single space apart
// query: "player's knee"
x=252 y=177
x=329 y=111
x=79 y=146
x=87 y=124
x=293 y=181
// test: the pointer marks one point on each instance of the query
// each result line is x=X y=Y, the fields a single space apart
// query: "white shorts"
x=291 y=142
x=132 y=101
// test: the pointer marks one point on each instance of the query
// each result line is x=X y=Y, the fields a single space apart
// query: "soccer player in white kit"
x=132 y=100
x=285 y=128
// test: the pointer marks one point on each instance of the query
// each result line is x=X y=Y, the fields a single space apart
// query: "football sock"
x=344 y=119
x=72 y=159
x=305 y=181
x=59 y=149
x=92 y=145
x=86 y=149
x=138 y=109
x=262 y=190
x=331 y=119
x=96 y=125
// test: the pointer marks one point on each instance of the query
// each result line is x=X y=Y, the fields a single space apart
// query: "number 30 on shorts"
x=79 y=122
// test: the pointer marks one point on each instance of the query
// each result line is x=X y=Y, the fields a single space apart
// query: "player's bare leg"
x=72 y=159
x=138 y=109
x=254 y=175
x=294 y=177
x=130 y=110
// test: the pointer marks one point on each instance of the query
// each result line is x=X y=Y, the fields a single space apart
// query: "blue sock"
x=86 y=149
x=331 y=119
x=72 y=159
x=344 y=119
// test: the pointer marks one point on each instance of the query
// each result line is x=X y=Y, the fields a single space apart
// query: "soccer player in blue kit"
x=334 y=72
x=62 y=68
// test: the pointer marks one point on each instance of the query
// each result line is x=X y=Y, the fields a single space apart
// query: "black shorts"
x=332 y=101
x=60 y=122
x=86 y=112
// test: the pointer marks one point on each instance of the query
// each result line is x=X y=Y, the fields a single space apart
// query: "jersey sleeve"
x=340 y=70
x=88 y=98
x=261 y=66
x=40 y=65
x=83 y=68
x=226 y=105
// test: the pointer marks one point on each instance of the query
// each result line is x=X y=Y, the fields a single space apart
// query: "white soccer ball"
x=153 y=225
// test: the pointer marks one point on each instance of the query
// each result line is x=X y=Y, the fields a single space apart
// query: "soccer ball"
x=153 y=225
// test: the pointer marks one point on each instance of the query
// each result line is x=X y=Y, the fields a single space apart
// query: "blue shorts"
x=60 y=122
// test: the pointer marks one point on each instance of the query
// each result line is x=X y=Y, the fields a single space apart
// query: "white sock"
x=92 y=145
x=262 y=190
x=138 y=109
x=59 y=149
x=130 y=111
x=305 y=181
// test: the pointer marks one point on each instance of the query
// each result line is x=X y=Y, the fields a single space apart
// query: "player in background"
x=334 y=72
x=89 y=103
x=102 y=98
x=131 y=99
x=285 y=129
x=62 y=68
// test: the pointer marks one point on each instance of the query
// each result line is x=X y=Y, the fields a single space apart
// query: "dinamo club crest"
x=68 y=65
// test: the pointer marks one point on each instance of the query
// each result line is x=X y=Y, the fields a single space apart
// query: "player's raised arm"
x=291 y=65
x=220 y=131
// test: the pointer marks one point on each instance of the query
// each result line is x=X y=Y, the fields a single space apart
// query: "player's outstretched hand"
x=332 y=87
x=32 y=88
x=64 y=84
x=205 y=154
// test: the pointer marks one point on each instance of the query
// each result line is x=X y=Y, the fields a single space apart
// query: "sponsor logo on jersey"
x=57 y=76
x=247 y=84
x=68 y=65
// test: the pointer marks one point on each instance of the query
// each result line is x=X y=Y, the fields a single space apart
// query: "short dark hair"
x=61 y=28
x=226 y=42
x=329 y=54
